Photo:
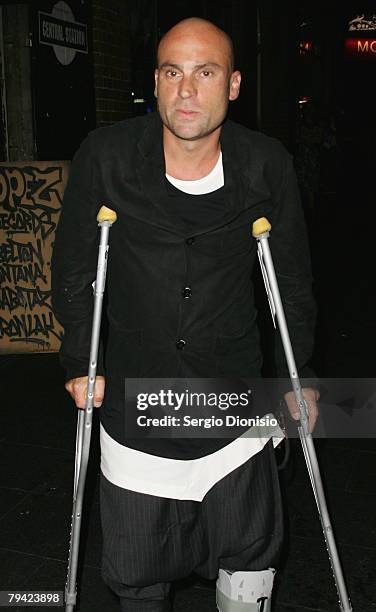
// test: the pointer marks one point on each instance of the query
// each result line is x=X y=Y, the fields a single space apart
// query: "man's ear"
x=235 y=81
x=156 y=75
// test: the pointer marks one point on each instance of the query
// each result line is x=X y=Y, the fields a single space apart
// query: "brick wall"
x=111 y=52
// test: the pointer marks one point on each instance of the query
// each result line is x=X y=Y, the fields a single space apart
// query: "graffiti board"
x=30 y=203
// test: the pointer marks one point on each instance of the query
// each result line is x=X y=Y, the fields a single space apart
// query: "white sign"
x=60 y=31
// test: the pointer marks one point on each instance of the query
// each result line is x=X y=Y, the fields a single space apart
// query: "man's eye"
x=171 y=73
x=206 y=73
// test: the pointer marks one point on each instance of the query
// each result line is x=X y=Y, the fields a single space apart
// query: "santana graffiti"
x=30 y=203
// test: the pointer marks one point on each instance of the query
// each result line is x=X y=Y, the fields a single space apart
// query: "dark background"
x=47 y=110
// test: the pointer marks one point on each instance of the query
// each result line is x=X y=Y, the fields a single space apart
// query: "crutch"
x=106 y=217
x=260 y=231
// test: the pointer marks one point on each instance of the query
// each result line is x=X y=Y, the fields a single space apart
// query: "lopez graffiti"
x=30 y=203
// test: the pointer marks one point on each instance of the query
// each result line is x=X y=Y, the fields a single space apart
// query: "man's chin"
x=187 y=136
x=190 y=133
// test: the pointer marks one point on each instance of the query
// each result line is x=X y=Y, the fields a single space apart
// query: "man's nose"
x=187 y=87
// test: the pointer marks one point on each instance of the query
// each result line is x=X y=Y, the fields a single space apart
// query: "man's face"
x=194 y=82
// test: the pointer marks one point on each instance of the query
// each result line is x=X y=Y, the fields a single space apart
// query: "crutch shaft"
x=318 y=490
x=305 y=436
x=285 y=336
x=84 y=420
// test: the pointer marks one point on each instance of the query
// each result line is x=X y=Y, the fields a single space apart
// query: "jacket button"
x=190 y=241
x=180 y=344
x=187 y=292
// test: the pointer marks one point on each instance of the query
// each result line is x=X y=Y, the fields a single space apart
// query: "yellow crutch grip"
x=261 y=226
x=106 y=214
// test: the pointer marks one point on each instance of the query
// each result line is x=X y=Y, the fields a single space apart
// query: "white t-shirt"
x=211 y=182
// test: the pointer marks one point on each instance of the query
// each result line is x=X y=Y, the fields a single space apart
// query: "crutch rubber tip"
x=261 y=226
x=106 y=214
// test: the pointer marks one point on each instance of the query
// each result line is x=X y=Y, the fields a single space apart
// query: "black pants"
x=149 y=541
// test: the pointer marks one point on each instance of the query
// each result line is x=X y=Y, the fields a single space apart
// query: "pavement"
x=38 y=423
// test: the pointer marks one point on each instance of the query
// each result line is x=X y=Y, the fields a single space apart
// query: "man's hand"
x=76 y=387
x=311 y=396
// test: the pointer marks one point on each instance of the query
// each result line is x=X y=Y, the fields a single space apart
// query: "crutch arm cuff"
x=260 y=226
x=106 y=214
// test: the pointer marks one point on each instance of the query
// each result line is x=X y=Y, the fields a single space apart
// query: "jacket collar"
x=150 y=144
x=151 y=172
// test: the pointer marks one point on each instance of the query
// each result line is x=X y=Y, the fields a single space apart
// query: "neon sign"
x=361 y=47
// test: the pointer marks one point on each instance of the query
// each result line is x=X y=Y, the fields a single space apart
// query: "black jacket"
x=152 y=258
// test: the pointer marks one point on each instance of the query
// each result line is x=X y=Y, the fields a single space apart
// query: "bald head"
x=200 y=29
x=195 y=80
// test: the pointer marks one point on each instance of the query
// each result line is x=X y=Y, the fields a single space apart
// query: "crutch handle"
x=261 y=226
x=106 y=214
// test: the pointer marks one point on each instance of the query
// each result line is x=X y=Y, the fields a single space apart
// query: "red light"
x=361 y=47
x=305 y=46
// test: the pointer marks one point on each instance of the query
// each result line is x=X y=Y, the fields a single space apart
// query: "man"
x=186 y=185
